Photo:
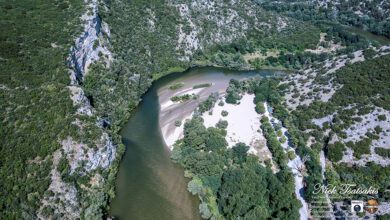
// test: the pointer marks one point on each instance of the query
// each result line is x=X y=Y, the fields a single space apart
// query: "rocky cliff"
x=83 y=161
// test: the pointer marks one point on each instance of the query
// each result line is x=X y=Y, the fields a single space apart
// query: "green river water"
x=149 y=186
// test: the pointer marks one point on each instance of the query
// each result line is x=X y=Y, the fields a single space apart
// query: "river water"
x=149 y=186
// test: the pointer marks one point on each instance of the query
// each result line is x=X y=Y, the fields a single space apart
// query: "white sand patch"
x=167 y=104
x=243 y=122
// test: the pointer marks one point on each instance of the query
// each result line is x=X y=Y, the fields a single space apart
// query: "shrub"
x=176 y=86
x=260 y=108
x=224 y=113
x=378 y=129
x=335 y=151
x=222 y=124
x=291 y=155
x=202 y=85
x=382 y=117
x=177 y=123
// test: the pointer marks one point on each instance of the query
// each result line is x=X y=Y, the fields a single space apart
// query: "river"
x=149 y=186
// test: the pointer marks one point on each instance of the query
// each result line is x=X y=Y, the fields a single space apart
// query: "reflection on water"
x=149 y=186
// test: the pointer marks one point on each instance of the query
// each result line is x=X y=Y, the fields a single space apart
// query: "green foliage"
x=382 y=117
x=335 y=151
x=273 y=144
x=177 y=123
x=233 y=92
x=204 y=85
x=204 y=211
x=291 y=155
x=383 y=217
x=222 y=124
x=195 y=186
x=224 y=113
x=230 y=182
x=231 y=61
x=182 y=98
x=209 y=103
x=371 y=174
x=266 y=92
x=360 y=147
x=260 y=109
x=239 y=153
x=176 y=86
x=36 y=110
x=215 y=140
x=382 y=152
x=378 y=129
x=342 y=12
x=355 y=79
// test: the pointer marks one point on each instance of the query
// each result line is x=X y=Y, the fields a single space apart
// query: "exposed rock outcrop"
x=90 y=47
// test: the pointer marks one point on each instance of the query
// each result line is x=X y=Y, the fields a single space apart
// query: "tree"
x=195 y=186
x=222 y=124
x=239 y=153
x=224 y=113
x=177 y=123
x=214 y=140
x=204 y=210
x=260 y=109
x=335 y=151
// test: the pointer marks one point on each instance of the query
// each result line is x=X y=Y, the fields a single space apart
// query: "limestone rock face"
x=89 y=44
x=83 y=159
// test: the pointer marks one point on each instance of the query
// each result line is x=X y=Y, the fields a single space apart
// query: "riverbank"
x=147 y=178
x=180 y=111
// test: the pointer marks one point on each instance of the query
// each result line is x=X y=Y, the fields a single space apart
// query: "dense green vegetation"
x=176 y=86
x=36 y=110
x=209 y=103
x=37 y=113
x=335 y=151
x=229 y=182
x=373 y=19
x=372 y=174
x=204 y=85
x=183 y=98
x=385 y=153
x=273 y=143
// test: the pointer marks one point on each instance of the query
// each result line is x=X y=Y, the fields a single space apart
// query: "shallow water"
x=149 y=186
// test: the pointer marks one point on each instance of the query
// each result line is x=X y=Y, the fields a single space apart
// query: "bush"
x=382 y=117
x=260 y=109
x=177 y=123
x=378 y=129
x=202 y=85
x=382 y=152
x=222 y=124
x=195 y=186
x=335 y=151
x=176 y=86
x=291 y=155
x=224 y=113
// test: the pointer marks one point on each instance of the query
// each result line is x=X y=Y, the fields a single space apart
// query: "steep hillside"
x=72 y=72
x=367 y=14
